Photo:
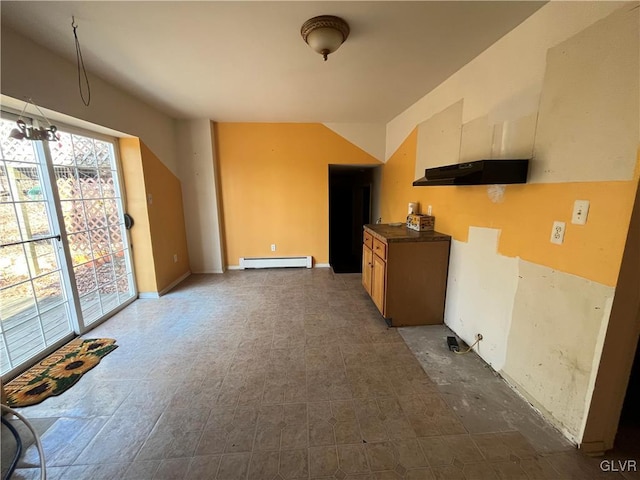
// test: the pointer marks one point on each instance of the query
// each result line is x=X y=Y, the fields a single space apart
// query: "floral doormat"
x=58 y=371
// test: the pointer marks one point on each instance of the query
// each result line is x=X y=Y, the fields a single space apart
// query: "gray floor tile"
x=288 y=374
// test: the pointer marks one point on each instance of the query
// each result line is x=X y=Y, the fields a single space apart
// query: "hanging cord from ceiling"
x=82 y=72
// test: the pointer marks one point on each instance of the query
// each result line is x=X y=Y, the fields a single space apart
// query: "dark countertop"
x=388 y=234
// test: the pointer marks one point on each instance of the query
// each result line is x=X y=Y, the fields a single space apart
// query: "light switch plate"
x=580 y=212
x=557 y=233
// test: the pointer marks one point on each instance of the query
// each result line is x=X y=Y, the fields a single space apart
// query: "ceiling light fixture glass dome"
x=325 y=33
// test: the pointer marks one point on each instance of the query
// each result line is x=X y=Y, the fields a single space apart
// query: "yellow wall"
x=525 y=216
x=274 y=186
x=166 y=220
x=158 y=231
x=136 y=206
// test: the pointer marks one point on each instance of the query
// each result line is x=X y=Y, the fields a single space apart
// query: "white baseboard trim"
x=174 y=283
x=207 y=272
x=303 y=261
x=317 y=265
x=144 y=295
x=164 y=290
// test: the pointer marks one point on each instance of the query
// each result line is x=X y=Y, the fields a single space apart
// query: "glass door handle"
x=39 y=239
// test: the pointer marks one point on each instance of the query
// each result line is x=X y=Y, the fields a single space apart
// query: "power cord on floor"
x=478 y=338
x=43 y=469
x=16 y=457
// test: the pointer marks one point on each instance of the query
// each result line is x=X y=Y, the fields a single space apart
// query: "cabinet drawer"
x=380 y=248
x=368 y=240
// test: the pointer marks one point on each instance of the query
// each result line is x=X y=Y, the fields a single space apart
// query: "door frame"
x=82 y=328
x=619 y=348
x=78 y=326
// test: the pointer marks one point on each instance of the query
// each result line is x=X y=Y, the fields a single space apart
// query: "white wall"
x=29 y=70
x=542 y=329
x=555 y=339
x=488 y=282
x=197 y=172
x=370 y=137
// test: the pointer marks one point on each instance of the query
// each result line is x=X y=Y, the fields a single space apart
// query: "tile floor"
x=288 y=374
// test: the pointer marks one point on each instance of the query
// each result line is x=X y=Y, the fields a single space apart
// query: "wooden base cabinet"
x=367 y=271
x=378 y=276
x=405 y=273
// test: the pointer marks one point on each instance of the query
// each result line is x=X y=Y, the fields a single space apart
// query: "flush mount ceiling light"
x=325 y=33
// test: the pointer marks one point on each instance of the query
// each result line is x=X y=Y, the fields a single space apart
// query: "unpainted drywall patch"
x=556 y=324
x=476 y=140
x=480 y=293
x=595 y=363
x=439 y=139
x=507 y=133
x=589 y=105
x=514 y=138
x=496 y=193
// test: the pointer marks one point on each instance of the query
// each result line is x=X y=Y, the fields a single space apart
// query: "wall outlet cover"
x=580 y=212
x=557 y=233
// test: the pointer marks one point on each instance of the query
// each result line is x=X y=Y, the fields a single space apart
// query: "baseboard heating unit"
x=276 y=262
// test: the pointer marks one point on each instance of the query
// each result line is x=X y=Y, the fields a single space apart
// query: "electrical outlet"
x=273 y=247
x=580 y=212
x=557 y=233
x=175 y=258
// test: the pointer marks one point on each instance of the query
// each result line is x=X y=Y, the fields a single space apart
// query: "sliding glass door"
x=64 y=256
x=34 y=303
x=91 y=203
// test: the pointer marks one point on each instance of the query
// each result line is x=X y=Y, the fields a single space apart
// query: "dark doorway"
x=630 y=411
x=349 y=209
x=626 y=443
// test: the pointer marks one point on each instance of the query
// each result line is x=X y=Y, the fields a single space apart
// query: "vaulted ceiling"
x=246 y=61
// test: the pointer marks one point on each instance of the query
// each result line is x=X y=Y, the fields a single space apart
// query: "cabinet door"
x=378 y=282
x=367 y=265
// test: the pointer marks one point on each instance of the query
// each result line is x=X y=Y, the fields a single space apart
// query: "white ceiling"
x=246 y=61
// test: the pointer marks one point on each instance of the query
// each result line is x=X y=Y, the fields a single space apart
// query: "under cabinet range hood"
x=480 y=172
